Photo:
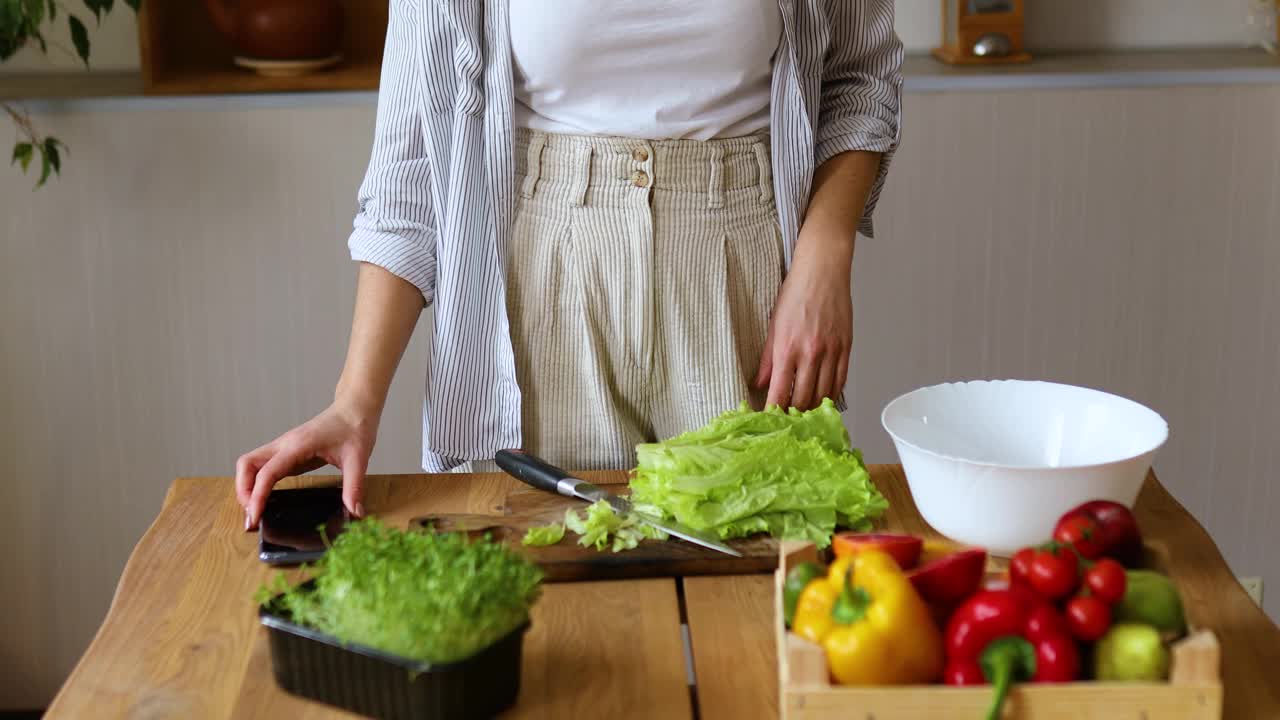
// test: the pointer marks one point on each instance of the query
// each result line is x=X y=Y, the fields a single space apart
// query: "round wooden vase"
x=281 y=37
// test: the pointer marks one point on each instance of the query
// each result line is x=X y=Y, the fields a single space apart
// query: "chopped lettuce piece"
x=574 y=522
x=604 y=529
x=791 y=474
x=544 y=535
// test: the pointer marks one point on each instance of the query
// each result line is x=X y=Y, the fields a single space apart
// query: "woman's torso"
x=652 y=69
x=453 y=80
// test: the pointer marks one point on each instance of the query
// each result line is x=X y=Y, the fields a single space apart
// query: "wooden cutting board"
x=568 y=561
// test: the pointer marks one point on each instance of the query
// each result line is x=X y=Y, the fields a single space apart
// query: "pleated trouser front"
x=640 y=278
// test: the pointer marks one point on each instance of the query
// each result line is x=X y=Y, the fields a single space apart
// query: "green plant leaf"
x=13 y=28
x=45 y=166
x=8 y=46
x=135 y=4
x=35 y=11
x=22 y=155
x=53 y=10
x=80 y=37
x=98 y=7
x=51 y=151
x=11 y=15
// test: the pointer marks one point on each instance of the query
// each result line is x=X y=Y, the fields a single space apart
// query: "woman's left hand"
x=806 y=353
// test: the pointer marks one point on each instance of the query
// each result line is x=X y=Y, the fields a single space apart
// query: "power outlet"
x=1253 y=586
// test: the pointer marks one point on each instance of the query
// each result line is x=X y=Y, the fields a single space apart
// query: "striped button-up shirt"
x=437 y=202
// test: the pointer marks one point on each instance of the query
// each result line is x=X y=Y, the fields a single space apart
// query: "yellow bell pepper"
x=873 y=626
x=813 y=610
x=839 y=570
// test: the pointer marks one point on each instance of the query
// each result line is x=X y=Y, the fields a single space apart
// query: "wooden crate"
x=1194 y=691
x=183 y=53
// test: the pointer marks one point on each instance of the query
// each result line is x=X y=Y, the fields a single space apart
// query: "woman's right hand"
x=342 y=435
x=387 y=308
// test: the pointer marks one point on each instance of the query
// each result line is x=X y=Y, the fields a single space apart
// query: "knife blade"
x=543 y=475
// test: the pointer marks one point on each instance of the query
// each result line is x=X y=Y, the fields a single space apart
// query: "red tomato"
x=1020 y=566
x=1117 y=534
x=905 y=549
x=1106 y=580
x=1082 y=533
x=1053 y=572
x=1088 y=617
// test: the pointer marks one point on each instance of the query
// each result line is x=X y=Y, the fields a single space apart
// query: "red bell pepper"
x=950 y=578
x=1008 y=636
x=905 y=549
x=1101 y=528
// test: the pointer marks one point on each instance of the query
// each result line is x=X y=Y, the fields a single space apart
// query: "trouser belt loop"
x=534 y=171
x=582 y=173
x=715 y=184
x=761 y=150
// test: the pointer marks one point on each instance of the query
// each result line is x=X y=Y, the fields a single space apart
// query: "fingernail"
x=248 y=522
x=359 y=510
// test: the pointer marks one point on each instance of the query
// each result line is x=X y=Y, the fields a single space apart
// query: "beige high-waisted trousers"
x=640 y=279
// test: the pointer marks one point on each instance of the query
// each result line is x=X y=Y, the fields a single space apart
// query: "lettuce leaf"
x=544 y=535
x=791 y=474
x=604 y=529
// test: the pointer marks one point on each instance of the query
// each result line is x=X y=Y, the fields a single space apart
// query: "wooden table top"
x=182 y=639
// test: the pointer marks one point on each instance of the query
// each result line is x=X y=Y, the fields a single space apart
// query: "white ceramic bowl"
x=996 y=463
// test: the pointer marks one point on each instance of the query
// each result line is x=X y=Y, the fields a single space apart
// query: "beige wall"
x=1051 y=24
x=182 y=293
x=113 y=45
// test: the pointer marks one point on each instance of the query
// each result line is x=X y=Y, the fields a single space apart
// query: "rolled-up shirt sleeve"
x=861 y=106
x=395 y=226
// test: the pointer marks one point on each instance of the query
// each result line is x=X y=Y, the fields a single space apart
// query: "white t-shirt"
x=652 y=69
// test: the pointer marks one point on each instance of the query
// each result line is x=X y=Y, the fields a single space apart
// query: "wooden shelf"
x=225 y=78
x=1110 y=69
x=183 y=54
x=219 y=84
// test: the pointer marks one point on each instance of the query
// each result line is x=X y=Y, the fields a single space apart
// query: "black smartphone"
x=296 y=523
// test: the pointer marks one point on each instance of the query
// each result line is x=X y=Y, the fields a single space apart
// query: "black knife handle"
x=535 y=471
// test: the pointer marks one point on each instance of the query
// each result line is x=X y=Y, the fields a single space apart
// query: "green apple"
x=1131 y=652
x=1150 y=598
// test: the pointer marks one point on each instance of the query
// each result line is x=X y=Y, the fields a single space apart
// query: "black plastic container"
x=370 y=682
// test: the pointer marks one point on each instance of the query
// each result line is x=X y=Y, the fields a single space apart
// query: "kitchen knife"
x=545 y=476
